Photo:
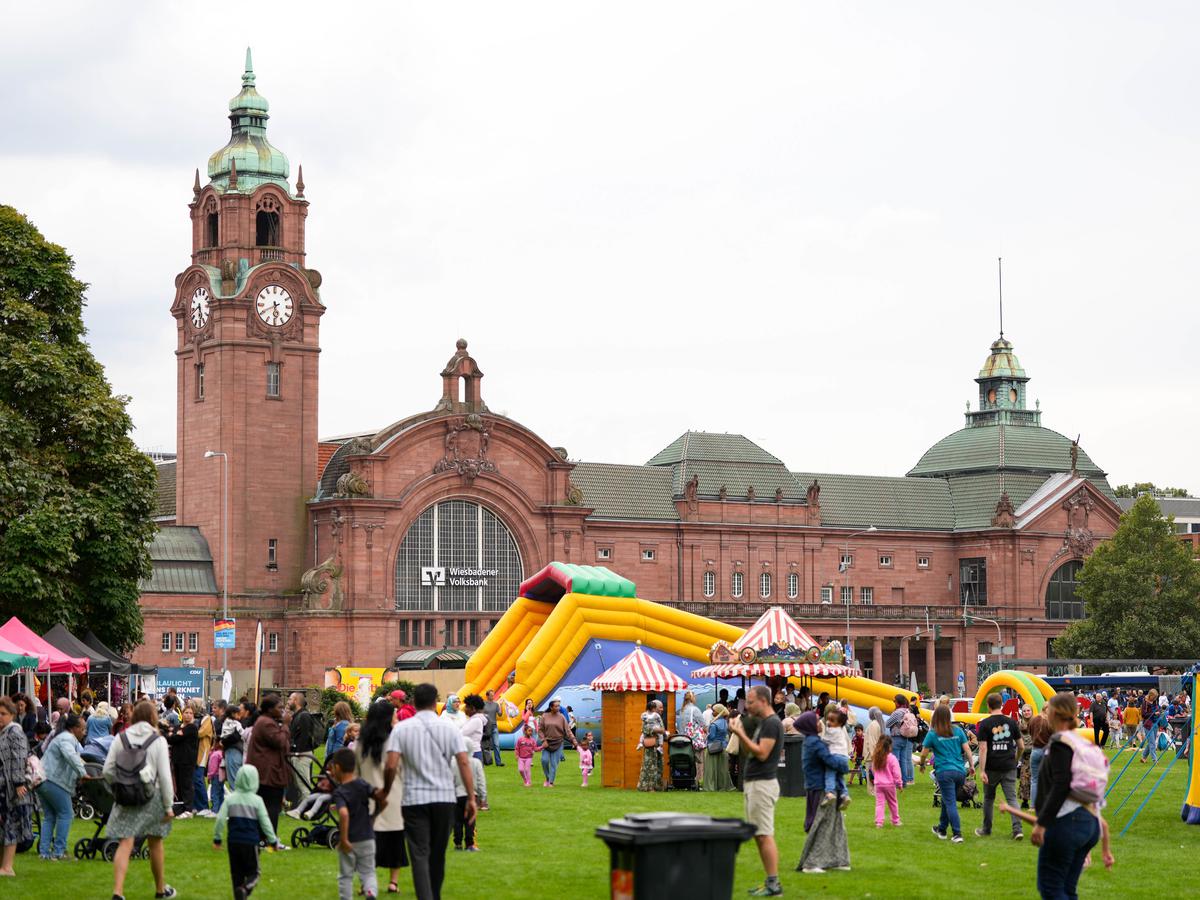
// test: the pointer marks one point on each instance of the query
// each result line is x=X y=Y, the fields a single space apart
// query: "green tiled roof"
x=181 y=563
x=975 y=496
x=1026 y=449
x=164 y=505
x=704 y=445
x=885 y=502
x=625 y=492
x=730 y=461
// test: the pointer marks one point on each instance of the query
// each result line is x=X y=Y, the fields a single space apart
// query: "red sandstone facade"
x=320 y=555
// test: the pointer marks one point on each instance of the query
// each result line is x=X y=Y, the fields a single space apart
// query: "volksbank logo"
x=443 y=576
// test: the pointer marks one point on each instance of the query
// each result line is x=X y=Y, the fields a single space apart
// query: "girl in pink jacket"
x=888 y=781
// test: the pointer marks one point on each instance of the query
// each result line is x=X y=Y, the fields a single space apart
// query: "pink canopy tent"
x=57 y=662
x=9 y=647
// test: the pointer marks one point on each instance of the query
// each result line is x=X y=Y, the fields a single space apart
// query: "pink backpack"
x=1089 y=768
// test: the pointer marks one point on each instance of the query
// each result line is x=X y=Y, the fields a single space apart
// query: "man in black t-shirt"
x=761 y=781
x=1000 y=747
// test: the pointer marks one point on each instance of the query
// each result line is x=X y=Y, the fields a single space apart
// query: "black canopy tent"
x=120 y=665
x=63 y=640
x=72 y=646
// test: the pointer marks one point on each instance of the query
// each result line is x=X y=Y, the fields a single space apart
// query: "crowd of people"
x=406 y=783
x=401 y=786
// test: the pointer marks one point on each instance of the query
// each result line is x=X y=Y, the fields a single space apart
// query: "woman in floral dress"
x=16 y=798
x=652 y=733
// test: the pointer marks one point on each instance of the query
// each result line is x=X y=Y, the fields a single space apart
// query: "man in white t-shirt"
x=431 y=747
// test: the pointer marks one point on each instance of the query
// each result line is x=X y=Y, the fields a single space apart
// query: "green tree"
x=1149 y=487
x=76 y=495
x=1141 y=591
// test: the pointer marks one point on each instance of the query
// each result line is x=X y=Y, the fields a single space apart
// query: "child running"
x=356 y=847
x=859 y=741
x=585 y=756
x=886 y=770
x=247 y=816
x=838 y=741
x=525 y=747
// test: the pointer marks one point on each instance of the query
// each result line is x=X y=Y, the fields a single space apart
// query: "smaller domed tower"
x=1002 y=390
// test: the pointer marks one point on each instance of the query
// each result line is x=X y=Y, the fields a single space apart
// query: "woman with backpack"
x=1072 y=777
x=16 y=798
x=138 y=768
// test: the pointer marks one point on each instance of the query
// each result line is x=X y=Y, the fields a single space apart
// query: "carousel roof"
x=774 y=626
x=638 y=672
x=769 y=669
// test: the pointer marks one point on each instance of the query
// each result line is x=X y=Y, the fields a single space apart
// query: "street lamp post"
x=209 y=454
x=844 y=566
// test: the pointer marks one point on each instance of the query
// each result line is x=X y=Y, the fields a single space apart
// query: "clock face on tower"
x=274 y=305
x=200 y=307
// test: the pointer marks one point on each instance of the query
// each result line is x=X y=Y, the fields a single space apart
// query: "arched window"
x=764 y=585
x=266 y=223
x=710 y=584
x=737 y=582
x=793 y=585
x=457 y=556
x=1060 y=593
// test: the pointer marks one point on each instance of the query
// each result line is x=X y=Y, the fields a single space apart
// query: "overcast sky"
x=778 y=219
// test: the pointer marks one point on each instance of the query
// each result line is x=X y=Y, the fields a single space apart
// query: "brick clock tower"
x=247 y=314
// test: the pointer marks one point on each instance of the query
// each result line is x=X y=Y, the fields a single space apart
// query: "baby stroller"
x=94 y=751
x=968 y=794
x=98 y=795
x=681 y=758
x=322 y=830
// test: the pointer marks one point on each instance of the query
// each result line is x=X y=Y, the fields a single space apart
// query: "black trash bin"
x=656 y=855
x=791 y=766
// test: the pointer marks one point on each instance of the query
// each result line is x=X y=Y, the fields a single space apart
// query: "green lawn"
x=540 y=843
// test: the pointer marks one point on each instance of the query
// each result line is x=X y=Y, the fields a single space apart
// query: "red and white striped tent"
x=638 y=672
x=773 y=627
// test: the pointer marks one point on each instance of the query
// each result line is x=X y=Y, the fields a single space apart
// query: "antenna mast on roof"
x=1000 y=282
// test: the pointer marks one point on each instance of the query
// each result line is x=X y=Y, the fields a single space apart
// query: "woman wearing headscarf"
x=826 y=846
x=100 y=722
x=1024 y=787
x=790 y=712
x=690 y=722
x=653 y=730
x=453 y=711
x=716 y=767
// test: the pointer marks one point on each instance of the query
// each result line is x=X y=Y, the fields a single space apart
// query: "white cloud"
x=781 y=220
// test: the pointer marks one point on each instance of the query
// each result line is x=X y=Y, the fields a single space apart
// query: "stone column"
x=877 y=658
x=904 y=670
x=931 y=663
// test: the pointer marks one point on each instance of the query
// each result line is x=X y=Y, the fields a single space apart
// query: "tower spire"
x=999 y=278
x=248 y=75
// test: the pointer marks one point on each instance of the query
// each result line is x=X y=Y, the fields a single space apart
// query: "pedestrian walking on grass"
x=761 y=782
x=245 y=817
x=356 y=845
x=952 y=765
x=1000 y=747
x=428 y=746
x=138 y=767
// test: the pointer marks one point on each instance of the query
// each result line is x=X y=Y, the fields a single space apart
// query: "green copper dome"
x=256 y=161
x=1011 y=448
x=1002 y=363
